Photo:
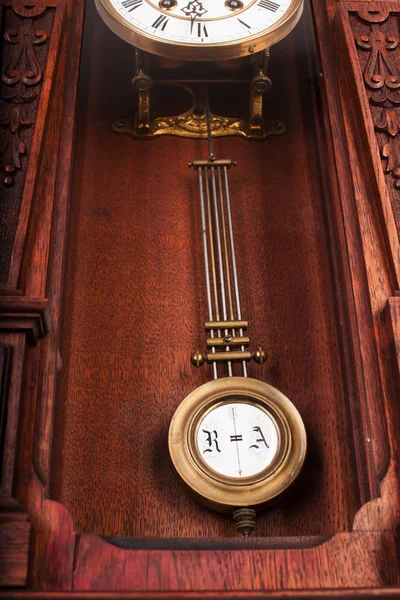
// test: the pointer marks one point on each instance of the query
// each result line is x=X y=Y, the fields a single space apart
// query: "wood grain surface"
x=361 y=593
x=134 y=307
x=237 y=570
x=14 y=549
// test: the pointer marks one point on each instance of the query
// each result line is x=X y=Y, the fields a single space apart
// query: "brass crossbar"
x=229 y=341
x=218 y=162
x=210 y=325
x=228 y=356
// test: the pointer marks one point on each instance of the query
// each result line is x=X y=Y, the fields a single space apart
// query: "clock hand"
x=193 y=10
x=192 y=20
x=236 y=439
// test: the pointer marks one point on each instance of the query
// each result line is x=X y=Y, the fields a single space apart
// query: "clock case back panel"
x=134 y=305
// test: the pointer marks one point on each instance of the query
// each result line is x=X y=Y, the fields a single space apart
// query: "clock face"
x=201 y=29
x=238 y=439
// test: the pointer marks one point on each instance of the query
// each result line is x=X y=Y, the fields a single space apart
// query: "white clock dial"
x=237 y=439
x=205 y=22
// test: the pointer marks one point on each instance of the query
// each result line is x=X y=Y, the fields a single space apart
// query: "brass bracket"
x=199 y=358
x=193 y=123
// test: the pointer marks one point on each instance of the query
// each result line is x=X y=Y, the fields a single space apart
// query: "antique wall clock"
x=115 y=253
x=235 y=442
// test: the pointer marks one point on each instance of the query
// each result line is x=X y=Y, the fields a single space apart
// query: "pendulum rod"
x=226 y=252
x=216 y=218
x=206 y=264
x=226 y=256
x=222 y=286
x=219 y=254
x=210 y=226
x=233 y=256
x=212 y=249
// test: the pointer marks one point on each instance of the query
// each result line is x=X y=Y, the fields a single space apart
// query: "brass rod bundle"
x=223 y=299
x=225 y=322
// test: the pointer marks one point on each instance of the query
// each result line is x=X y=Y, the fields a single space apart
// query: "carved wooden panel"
x=368 y=37
x=22 y=76
x=26 y=33
x=377 y=39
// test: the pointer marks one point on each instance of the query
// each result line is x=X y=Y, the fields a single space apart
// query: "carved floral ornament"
x=21 y=78
x=382 y=79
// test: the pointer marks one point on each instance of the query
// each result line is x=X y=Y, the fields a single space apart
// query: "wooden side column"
x=33 y=80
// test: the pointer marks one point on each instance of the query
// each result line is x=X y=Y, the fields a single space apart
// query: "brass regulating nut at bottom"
x=245 y=520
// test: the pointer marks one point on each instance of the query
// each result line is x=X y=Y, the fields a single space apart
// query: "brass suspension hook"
x=208 y=121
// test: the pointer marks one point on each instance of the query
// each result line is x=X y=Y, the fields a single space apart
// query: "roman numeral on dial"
x=269 y=5
x=201 y=30
x=131 y=4
x=161 y=21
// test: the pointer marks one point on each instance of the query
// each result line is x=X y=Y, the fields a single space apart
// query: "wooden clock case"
x=102 y=303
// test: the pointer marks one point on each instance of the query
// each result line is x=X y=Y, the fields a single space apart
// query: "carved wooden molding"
x=25 y=314
x=22 y=76
x=31 y=37
x=367 y=36
x=382 y=82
